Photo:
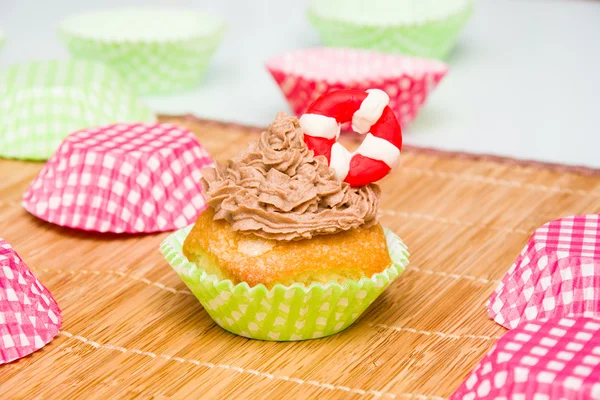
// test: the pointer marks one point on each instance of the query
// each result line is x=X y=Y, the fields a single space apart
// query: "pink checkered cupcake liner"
x=556 y=274
x=540 y=360
x=122 y=178
x=304 y=75
x=29 y=315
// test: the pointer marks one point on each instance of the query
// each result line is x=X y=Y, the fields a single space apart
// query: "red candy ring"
x=370 y=114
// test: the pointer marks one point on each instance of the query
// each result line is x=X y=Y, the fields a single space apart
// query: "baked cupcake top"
x=278 y=189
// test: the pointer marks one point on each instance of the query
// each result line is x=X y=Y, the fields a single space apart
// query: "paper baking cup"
x=305 y=75
x=122 y=178
x=283 y=313
x=426 y=28
x=556 y=274
x=552 y=359
x=157 y=50
x=29 y=315
x=43 y=102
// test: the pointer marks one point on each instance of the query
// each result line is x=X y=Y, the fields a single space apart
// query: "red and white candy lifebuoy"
x=370 y=114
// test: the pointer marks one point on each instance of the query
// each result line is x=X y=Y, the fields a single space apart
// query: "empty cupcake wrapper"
x=43 y=102
x=549 y=359
x=283 y=313
x=305 y=75
x=119 y=178
x=29 y=315
x=557 y=274
x=156 y=50
x=433 y=38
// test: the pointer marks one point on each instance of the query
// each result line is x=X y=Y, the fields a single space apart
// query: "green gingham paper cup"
x=157 y=50
x=43 y=102
x=283 y=313
x=424 y=28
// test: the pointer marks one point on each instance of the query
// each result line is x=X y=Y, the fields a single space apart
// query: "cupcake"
x=287 y=249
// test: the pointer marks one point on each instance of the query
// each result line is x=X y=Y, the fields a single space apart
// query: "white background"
x=524 y=79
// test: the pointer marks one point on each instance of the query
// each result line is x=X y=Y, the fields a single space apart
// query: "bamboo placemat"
x=131 y=329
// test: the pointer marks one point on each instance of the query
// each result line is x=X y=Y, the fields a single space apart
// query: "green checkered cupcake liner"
x=283 y=313
x=420 y=28
x=156 y=50
x=43 y=102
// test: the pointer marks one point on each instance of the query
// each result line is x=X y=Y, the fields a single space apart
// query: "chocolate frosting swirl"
x=277 y=189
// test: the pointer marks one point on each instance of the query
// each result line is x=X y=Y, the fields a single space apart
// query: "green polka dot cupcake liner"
x=157 y=50
x=283 y=313
x=394 y=26
x=43 y=102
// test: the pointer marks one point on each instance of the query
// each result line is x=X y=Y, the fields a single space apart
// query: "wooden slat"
x=131 y=328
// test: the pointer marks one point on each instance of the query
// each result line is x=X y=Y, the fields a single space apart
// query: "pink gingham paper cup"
x=132 y=178
x=540 y=360
x=29 y=315
x=556 y=274
x=304 y=75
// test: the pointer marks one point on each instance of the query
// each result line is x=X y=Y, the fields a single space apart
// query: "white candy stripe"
x=379 y=149
x=320 y=126
x=340 y=161
x=370 y=111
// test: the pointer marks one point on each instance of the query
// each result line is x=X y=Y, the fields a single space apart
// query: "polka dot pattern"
x=305 y=75
x=556 y=274
x=551 y=359
x=122 y=178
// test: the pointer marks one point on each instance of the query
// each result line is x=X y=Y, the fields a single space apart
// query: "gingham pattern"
x=283 y=313
x=29 y=316
x=305 y=75
x=553 y=359
x=153 y=65
x=431 y=39
x=43 y=102
x=122 y=178
x=556 y=274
